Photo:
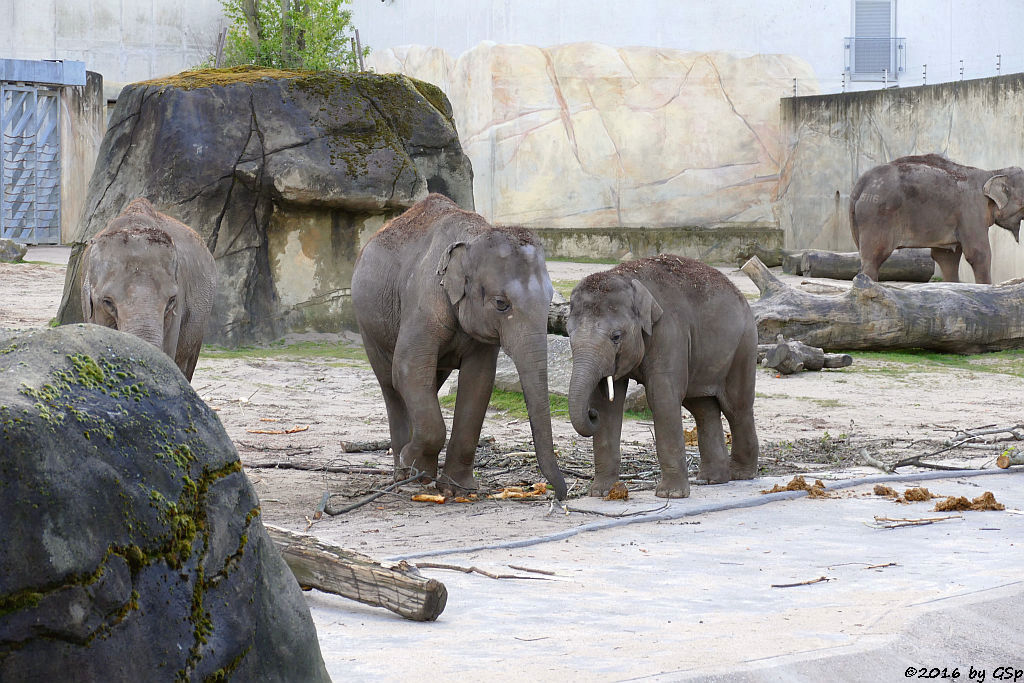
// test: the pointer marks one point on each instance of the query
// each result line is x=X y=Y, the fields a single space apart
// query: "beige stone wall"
x=590 y=136
x=82 y=125
x=831 y=140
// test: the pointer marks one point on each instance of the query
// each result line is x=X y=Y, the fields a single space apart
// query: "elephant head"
x=609 y=317
x=499 y=285
x=130 y=281
x=1006 y=190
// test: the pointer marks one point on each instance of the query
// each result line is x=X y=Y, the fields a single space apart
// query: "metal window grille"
x=873 y=53
x=29 y=164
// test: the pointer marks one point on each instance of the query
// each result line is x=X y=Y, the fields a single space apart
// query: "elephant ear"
x=452 y=271
x=646 y=307
x=86 y=294
x=997 y=188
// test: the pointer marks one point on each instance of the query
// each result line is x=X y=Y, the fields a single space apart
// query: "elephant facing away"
x=930 y=201
x=685 y=332
x=436 y=289
x=152 y=276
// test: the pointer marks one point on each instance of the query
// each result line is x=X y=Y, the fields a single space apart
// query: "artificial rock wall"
x=830 y=140
x=578 y=138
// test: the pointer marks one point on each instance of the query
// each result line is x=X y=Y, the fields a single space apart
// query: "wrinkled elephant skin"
x=151 y=276
x=930 y=201
x=439 y=289
x=685 y=332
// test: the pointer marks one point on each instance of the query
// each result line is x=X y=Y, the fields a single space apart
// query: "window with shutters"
x=874 y=53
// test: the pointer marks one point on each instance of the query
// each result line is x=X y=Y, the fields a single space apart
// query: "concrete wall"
x=831 y=140
x=939 y=32
x=82 y=125
x=123 y=40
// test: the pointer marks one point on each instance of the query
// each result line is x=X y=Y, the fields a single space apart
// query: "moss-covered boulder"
x=131 y=547
x=284 y=174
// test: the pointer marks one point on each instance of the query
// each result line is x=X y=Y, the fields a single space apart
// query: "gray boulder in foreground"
x=131 y=546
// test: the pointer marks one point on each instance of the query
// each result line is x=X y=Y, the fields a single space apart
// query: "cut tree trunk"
x=770 y=257
x=789 y=357
x=332 y=569
x=941 y=316
x=905 y=265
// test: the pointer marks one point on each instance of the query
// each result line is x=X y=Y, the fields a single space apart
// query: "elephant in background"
x=930 y=201
x=436 y=289
x=685 y=332
x=151 y=276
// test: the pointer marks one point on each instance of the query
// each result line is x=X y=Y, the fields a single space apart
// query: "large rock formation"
x=586 y=136
x=131 y=546
x=284 y=174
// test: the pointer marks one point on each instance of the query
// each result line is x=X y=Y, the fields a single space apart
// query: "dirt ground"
x=320 y=392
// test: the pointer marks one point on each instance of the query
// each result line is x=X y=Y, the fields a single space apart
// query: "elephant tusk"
x=611 y=388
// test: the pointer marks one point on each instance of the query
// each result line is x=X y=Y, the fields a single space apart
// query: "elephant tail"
x=854 y=196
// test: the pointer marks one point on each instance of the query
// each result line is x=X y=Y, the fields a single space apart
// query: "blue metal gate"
x=29 y=163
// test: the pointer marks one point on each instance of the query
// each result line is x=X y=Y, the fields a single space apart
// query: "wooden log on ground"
x=332 y=569
x=770 y=257
x=1005 y=460
x=788 y=357
x=940 y=316
x=792 y=262
x=904 y=265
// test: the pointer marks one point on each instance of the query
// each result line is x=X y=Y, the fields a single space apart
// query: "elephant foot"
x=743 y=471
x=602 y=485
x=714 y=474
x=456 y=483
x=427 y=471
x=673 y=486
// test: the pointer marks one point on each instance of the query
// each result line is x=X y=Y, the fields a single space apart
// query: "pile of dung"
x=798 y=483
x=985 y=501
x=912 y=495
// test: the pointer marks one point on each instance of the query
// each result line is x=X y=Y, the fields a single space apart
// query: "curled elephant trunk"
x=530 y=357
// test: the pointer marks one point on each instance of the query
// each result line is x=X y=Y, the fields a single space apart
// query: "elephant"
x=684 y=331
x=930 y=201
x=438 y=289
x=151 y=276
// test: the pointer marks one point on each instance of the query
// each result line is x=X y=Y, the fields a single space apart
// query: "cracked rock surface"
x=283 y=174
x=131 y=542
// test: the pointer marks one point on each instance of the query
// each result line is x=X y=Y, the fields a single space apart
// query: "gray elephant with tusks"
x=151 y=276
x=436 y=289
x=686 y=333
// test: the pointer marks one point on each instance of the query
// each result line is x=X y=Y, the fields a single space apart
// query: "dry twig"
x=896 y=523
x=802 y=583
x=474 y=570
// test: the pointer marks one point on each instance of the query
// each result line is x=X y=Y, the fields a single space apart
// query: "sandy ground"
x=813 y=423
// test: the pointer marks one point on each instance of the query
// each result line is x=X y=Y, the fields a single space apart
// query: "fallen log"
x=940 y=316
x=791 y=356
x=770 y=257
x=332 y=569
x=1007 y=459
x=904 y=265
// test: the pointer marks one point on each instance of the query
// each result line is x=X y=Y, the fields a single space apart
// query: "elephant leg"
x=873 y=253
x=476 y=381
x=663 y=396
x=714 y=458
x=608 y=437
x=980 y=258
x=398 y=418
x=415 y=375
x=737 y=404
x=949 y=262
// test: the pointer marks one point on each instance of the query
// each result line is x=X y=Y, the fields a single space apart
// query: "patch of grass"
x=827 y=402
x=564 y=287
x=297 y=350
x=1009 y=362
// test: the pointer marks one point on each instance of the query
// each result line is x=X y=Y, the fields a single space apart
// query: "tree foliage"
x=290 y=34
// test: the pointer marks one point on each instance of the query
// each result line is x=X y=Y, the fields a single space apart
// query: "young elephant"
x=151 y=276
x=685 y=332
x=436 y=289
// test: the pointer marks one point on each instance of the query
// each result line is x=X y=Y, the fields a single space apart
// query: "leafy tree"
x=290 y=34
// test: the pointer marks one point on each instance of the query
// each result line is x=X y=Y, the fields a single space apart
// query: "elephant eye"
x=501 y=304
x=108 y=303
x=172 y=303
x=616 y=337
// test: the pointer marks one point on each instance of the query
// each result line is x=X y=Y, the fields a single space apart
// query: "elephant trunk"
x=529 y=353
x=147 y=327
x=585 y=377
